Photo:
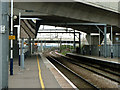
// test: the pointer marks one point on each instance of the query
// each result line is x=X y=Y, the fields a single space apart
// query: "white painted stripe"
x=64 y=76
x=11 y=43
x=11 y=56
x=19 y=51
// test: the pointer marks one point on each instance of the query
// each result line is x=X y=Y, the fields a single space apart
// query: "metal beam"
x=91 y=24
x=53 y=30
x=99 y=29
x=30 y=18
x=55 y=41
x=59 y=32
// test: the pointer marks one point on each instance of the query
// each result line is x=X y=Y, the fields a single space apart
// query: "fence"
x=95 y=50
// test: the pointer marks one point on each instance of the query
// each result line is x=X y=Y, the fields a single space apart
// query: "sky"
x=47 y=28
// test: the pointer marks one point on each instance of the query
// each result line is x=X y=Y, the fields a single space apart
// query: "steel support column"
x=111 y=43
x=60 y=45
x=90 y=43
x=41 y=46
x=4 y=45
x=22 y=55
x=29 y=45
x=33 y=46
x=105 y=41
x=74 y=41
x=99 y=44
x=80 y=43
x=70 y=45
x=66 y=44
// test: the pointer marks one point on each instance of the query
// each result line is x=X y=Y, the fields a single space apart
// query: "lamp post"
x=11 y=41
x=19 y=37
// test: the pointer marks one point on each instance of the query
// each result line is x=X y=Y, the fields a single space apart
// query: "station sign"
x=12 y=37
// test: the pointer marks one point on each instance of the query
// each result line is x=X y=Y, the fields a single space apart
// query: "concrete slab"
x=63 y=81
x=27 y=78
x=47 y=76
x=116 y=60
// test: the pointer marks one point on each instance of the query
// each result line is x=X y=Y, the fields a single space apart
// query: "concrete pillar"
x=4 y=45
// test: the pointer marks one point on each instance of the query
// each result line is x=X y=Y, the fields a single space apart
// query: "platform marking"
x=40 y=76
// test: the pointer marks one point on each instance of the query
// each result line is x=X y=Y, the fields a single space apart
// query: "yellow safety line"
x=40 y=76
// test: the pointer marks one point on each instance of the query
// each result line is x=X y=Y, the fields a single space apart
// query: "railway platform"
x=38 y=73
x=114 y=60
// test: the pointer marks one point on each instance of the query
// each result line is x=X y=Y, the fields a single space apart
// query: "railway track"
x=109 y=66
x=113 y=76
x=95 y=69
x=79 y=81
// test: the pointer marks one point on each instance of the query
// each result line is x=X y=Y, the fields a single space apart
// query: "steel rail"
x=73 y=62
x=74 y=73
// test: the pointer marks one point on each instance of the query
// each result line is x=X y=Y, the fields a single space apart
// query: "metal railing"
x=95 y=50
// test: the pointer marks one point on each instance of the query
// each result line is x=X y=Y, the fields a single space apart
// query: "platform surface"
x=116 y=60
x=30 y=76
x=27 y=78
